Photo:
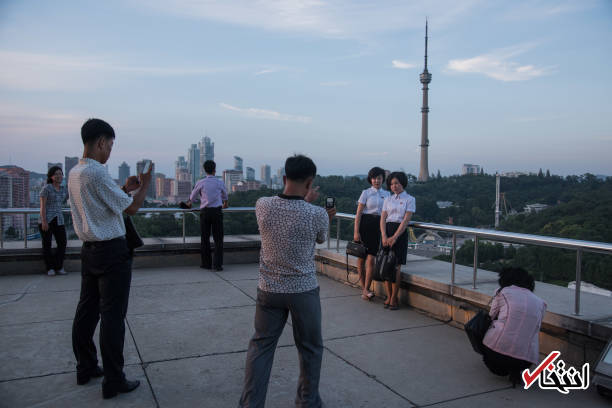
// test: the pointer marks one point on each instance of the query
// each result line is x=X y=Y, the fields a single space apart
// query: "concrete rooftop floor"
x=186 y=339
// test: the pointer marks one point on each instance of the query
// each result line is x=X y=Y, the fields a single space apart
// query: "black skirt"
x=401 y=245
x=369 y=230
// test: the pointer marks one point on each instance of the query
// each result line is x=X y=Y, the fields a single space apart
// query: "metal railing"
x=26 y=212
x=502 y=236
x=477 y=233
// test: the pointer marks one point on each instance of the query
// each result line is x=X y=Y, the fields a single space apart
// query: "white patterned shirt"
x=397 y=205
x=97 y=203
x=289 y=228
x=373 y=200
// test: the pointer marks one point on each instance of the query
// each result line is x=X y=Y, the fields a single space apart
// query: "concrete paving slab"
x=328 y=287
x=45 y=348
x=238 y=272
x=533 y=397
x=196 y=333
x=17 y=284
x=38 y=307
x=61 y=391
x=174 y=275
x=349 y=316
x=216 y=381
x=425 y=365
x=188 y=296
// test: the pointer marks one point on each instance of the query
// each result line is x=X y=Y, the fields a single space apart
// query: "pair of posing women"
x=382 y=219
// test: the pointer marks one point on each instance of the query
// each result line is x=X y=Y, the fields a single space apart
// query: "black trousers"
x=211 y=219
x=53 y=261
x=500 y=364
x=106 y=274
x=271 y=312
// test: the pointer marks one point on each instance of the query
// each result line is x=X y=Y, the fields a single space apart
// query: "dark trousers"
x=53 y=261
x=501 y=364
x=211 y=219
x=271 y=314
x=106 y=269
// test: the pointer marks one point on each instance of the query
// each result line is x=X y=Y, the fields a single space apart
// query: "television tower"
x=425 y=80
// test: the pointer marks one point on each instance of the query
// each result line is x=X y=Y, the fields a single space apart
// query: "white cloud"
x=496 y=65
x=335 y=83
x=36 y=71
x=402 y=65
x=266 y=114
x=330 y=18
x=27 y=123
x=268 y=71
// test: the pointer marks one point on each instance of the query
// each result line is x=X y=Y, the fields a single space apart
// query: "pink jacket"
x=517 y=315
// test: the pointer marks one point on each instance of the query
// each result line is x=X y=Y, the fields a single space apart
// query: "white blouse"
x=397 y=205
x=373 y=200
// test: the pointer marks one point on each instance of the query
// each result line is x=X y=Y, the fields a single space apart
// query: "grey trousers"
x=271 y=314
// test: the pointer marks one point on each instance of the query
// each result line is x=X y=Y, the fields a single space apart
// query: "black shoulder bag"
x=386 y=263
x=131 y=235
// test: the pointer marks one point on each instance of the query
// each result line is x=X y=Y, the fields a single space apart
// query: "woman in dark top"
x=52 y=198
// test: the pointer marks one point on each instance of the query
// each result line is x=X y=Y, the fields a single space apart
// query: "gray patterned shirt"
x=97 y=203
x=289 y=228
x=55 y=202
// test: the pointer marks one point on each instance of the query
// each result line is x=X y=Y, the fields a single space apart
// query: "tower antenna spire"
x=425 y=43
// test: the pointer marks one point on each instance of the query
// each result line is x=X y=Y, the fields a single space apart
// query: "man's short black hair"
x=300 y=168
x=517 y=277
x=375 y=172
x=51 y=172
x=400 y=176
x=209 y=166
x=93 y=129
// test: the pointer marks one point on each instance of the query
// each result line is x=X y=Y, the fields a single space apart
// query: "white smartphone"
x=146 y=167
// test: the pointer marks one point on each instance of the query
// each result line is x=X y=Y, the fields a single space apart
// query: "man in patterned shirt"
x=97 y=206
x=289 y=226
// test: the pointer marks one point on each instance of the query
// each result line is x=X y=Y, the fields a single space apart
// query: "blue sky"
x=516 y=85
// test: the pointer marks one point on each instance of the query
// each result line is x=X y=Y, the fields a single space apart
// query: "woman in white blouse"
x=367 y=226
x=396 y=213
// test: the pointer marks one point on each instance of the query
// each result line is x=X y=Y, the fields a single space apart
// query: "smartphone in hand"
x=330 y=202
x=147 y=167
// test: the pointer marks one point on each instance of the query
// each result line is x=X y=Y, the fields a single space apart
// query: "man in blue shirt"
x=213 y=198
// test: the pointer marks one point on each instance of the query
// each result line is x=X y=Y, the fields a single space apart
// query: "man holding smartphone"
x=97 y=206
x=289 y=226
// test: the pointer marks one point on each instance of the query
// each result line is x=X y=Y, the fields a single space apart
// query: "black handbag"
x=357 y=249
x=131 y=235
x=386 y=263
x=476 y=329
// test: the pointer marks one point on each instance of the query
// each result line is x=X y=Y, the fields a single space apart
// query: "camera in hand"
x=330 y=202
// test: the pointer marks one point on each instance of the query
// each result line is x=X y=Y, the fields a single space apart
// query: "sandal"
x=393 y=307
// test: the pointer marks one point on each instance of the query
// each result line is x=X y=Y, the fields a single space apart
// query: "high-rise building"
x=163 y=186
x=250 y=174
x=207 y=152
x=231 y=178
x=69 y=163
x=60 y=165
x=238 y=165
x=124 y=173
x=14 y=193
x=193 y=163
x=182 y=181
x=266 y=176
x=425 y=80
x=470 y=169
x=139 y=169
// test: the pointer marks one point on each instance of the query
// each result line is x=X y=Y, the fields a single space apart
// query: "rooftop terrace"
x=186 y=339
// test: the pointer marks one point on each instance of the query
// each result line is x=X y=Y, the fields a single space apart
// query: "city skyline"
x=516 y=88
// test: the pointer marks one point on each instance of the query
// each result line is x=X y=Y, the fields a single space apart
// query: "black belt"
x=211 y=208
x=97 y=244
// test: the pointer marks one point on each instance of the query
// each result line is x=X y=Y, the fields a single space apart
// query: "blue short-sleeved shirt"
x=55 y=201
